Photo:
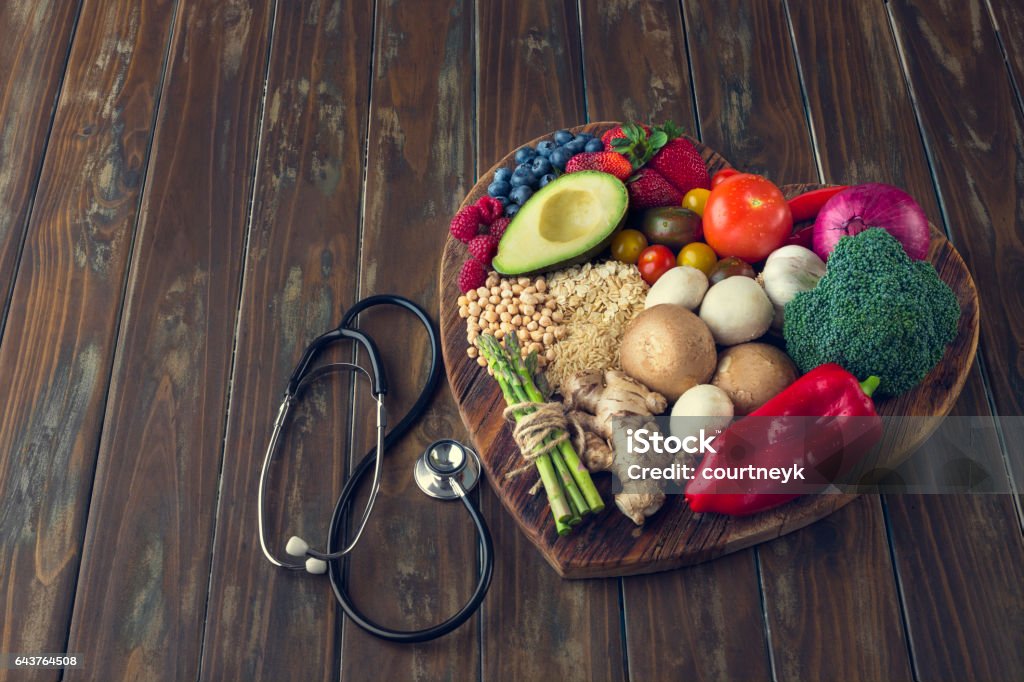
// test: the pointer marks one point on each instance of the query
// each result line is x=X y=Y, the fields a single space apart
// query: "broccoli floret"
x=875 y=312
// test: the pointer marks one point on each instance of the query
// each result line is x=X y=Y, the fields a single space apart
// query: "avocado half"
x=569 y=220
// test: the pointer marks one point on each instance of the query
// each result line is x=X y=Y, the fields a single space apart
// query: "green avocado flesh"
x=571 y=219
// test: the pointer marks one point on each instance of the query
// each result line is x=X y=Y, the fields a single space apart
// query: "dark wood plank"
x=831 y=602
x=1008 y=16
x=418 y=564
x=142 y=589
x=59 y=343
x=965 y=612
x=855 y=41
x=300 y=272
x=974 y=130
x=635 y=63
x=33 y=57
x=661 y=610
x=536 y=626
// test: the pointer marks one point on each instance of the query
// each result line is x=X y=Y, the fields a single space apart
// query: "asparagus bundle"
x=567 y=483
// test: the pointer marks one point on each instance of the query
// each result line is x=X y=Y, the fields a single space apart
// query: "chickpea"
x=531 y=326
x=545 y=321
x=463 y=312
x=483 y=293
x=505 y=317
x=548 y=339
x=481 y=362
x=523 y=335
x=472 y=351
x=506 y=294
x=536 y=335
x=523 y=281
x=500 y=334
x=527 y=298
x=536 y=317
x=494 y=299
x=535 y=347
x=550 y=355
x=517 y=320
x=490 y=316
x=492 y=281
x=557 y=316
x=526 y=309
x=513 y=308
x=505 y=327
x=474 y=309
x=541 y=284
x=551 y=304
x=517 y=289
x=471 y=295
x=559 y=333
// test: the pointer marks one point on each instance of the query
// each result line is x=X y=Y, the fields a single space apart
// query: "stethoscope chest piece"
x=447 y=469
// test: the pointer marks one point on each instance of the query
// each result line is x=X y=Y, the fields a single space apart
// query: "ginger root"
x=594 y=400
x=611 y=394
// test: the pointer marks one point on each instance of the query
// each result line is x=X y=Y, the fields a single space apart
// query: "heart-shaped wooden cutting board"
x=608 y=544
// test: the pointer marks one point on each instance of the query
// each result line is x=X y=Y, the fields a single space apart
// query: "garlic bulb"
x=787 y=272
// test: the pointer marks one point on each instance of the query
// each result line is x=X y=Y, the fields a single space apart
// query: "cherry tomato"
x=655 y=261
x=698 y=255
x=721 y=175
x=746 y=216
x=730 y=267
x=695 y=200
x=627 y=245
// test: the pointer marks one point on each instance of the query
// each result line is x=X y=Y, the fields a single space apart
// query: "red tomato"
x=655 y=261
x=746 y=216
x=723 y=175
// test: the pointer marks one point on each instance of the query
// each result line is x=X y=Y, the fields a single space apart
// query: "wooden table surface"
x=191 y=190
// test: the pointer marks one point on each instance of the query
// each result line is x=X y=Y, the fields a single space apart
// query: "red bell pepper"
x=827 y=448
x=807 y=205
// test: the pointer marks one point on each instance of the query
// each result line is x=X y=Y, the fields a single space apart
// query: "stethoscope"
x=446 y=470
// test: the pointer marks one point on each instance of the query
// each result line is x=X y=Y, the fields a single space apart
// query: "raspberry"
x=466 y=223
x=490 y=209
x=472 y=276
x=499 y=225
x=483 y=248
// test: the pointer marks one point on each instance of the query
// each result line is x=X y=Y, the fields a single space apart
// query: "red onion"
x=872 y=205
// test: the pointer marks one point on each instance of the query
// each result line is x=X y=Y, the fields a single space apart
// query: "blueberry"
x=540 y=166
x=522 y=176
x=511 y=209
x=503 y=174
x=546 y=179
x=525 y=154
x=499 y=188
x=562 y=136
x=503 y=199
x=545 y=148
x=560 y=157
x=575 y=146
x=520 y=194
x=594 y=145
x=586 y=137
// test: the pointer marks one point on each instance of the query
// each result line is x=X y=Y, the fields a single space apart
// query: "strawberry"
x=617 y=132
x=499 y=225
x=466 y=223
x=680 y=163
x=483 y=247
x=472 y=276
x=490 y=209
x=649 y=189
x=612 y=163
